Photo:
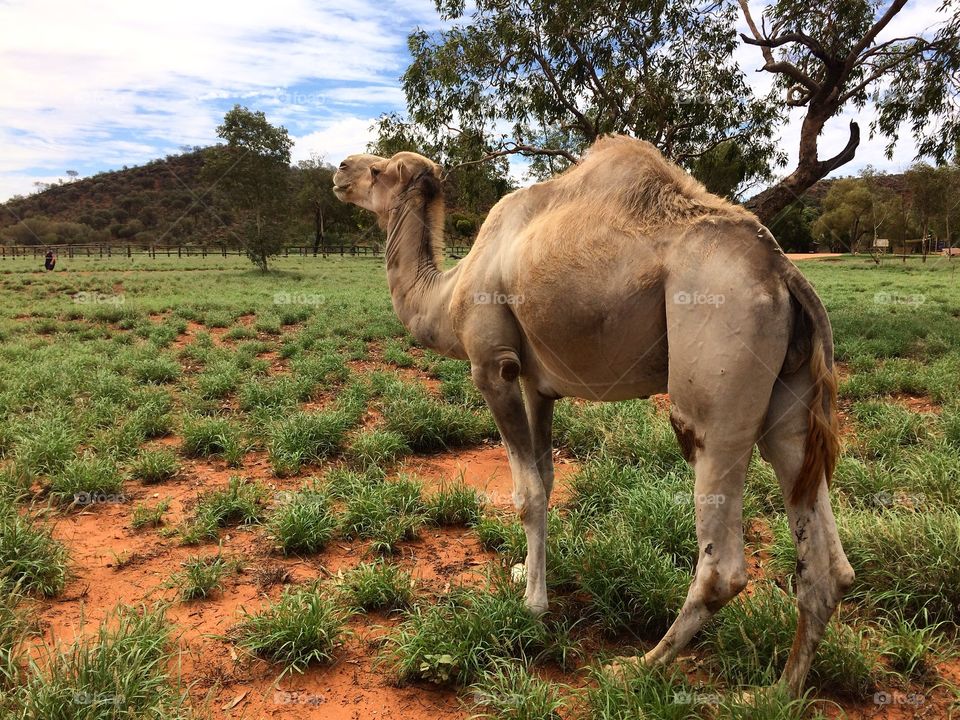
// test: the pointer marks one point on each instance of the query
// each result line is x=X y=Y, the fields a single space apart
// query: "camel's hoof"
x=618 y=668
x=537 y=609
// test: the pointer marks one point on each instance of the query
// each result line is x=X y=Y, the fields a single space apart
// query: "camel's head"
x=374 y=183
x=352 y=180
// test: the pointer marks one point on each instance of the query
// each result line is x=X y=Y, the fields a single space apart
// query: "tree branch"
x=512 y=148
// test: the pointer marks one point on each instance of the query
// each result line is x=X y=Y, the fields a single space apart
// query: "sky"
x=99 y=84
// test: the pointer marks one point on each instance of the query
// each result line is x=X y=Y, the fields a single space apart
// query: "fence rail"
x=153 y=251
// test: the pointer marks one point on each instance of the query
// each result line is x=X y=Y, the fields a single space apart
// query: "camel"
x=623 y=278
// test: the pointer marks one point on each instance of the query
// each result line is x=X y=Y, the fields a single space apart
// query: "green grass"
x=155 y=466
x=464 y=634
x=305 y=438
x=30 y=558
x=88 y=480
x=376 y=448
x=145 y=516
x=213 y=437
x=98 y=382
x=121 y=672
x=201 y=577
x=384 y=512
x=304 y=523
x=455 y=504
x=241 y=502
x=509 y=689
x=377 y=585
x=426 y=424
x=844 y=664
x=905 y=562
x=305 y=626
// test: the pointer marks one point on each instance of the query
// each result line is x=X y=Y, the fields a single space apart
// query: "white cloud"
x=109 y=82
x=335 y=141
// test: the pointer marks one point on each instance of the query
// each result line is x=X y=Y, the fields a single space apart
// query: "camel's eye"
x=375 y=171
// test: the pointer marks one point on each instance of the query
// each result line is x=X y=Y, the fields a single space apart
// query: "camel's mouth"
x=338 y=189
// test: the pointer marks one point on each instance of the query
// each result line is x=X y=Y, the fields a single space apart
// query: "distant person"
x=50 y=260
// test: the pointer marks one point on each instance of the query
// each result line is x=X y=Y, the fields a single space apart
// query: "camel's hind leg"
x=721 y=571
x=717 y=423
x=823 y=573
x=724 y=360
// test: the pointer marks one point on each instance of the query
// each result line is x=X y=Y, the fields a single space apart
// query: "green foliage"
x=510 y=690
x=305 y=438
x=88 y=480
x=252 y=171
x=241 y=502
x=205 y=437
x=304 y=523
x=564 y=89
x=378 y=585
x=145 y=516
x=121 y=672
x=884 y=548
x=376 y=448
x=201 y=577
x=154 y=466
x=464 y=634
x=455 y=504
x=305 y=626
x=384 y=512
x=30 y=558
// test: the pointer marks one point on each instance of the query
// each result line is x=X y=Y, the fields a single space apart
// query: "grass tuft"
x=305 y=626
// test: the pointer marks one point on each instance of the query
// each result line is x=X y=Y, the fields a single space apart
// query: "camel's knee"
x=717 y=585
x=531 y=504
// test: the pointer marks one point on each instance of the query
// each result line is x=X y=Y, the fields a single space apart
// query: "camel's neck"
x=419 y=288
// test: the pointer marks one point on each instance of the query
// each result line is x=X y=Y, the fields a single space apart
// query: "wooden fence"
x=152 y=251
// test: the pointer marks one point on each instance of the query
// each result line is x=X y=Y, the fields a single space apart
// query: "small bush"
x=240 y=502
x=30 y=558
x=305 y=523
x=377 y=586
x=305 y=626
x=154 y=466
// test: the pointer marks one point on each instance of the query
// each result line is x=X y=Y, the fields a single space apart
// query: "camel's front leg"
x=540 y=418
x=497 y=381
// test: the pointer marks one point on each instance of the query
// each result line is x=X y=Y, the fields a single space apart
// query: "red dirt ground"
x=112 y=563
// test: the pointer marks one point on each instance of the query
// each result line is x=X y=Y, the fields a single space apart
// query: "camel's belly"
x=598 y=351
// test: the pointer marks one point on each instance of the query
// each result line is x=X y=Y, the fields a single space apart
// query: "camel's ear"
x=403 y=173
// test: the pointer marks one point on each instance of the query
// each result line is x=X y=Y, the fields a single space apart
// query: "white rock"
x=518 y=573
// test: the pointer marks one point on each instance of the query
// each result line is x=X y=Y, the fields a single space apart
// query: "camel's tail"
x=823 y=432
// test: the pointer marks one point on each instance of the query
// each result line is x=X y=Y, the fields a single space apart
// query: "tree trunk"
x=768 y=204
